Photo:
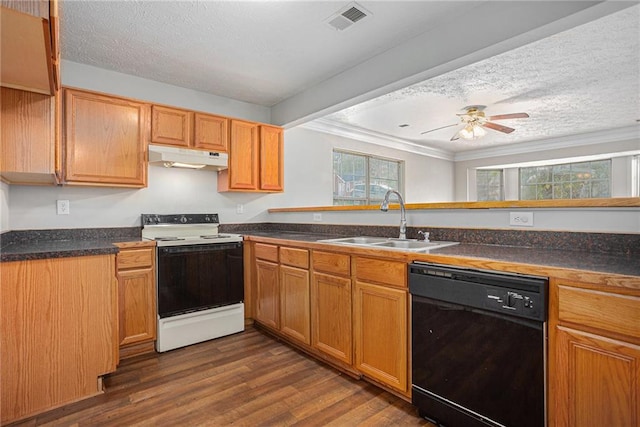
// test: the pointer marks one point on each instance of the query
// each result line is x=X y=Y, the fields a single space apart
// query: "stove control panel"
x=157 y=219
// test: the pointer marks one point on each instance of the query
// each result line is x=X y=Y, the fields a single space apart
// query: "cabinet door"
x=170 y=126
x=294 y=303
x=243 y=156
x=271 y=159
x=105 y=140
x=331 y=316
x=267 y=294
x=211 y=133
x=28 y=140
x=597 y=381
x=137 y=303
x=380 y=333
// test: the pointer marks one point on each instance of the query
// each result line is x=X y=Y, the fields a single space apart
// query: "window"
x=360 y=179
x=489 y=184
x=566 y=181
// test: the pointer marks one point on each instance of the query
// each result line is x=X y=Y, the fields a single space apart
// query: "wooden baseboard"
x=137 y=349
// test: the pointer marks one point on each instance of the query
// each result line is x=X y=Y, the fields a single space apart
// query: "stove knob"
x=183 y=219
x=207 y=219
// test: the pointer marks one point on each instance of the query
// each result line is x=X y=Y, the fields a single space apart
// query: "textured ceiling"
x=581 y=80
x=263 y=52
x=256 y=51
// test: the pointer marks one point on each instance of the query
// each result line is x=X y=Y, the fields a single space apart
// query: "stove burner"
x=214 y=236
x=167 y=239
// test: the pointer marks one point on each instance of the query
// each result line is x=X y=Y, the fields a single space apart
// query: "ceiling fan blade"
x=455 y=137
x=509 y=116
x=443 y=127
x=498 y=127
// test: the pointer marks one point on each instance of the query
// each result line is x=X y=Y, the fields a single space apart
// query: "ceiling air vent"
x=347 y=16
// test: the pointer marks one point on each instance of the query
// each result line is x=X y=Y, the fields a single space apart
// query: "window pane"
x=361 y=179
x=489 y=184
x=567 y=181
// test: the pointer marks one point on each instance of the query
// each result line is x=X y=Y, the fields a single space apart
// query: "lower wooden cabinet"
x=331 y=316
x=295 y=319
x=57 y=332
x=380 y=333
x=267 y=293
x=594 y=369
x=597 y=382
x=136 y=298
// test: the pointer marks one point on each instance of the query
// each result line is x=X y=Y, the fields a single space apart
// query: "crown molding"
x=353 y=132
x=569 y=141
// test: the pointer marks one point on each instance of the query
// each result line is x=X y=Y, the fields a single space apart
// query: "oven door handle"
x=198 y=248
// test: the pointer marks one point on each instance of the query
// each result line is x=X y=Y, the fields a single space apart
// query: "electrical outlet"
x=239 y=208
x=62 y=207
x=521 y=219
x=317 y=217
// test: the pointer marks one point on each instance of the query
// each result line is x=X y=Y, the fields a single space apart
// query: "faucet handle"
x=425 y=235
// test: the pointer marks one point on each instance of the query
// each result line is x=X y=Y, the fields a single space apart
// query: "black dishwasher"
x=478 y=346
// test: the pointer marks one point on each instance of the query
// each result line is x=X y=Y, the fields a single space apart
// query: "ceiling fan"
x=475 y=121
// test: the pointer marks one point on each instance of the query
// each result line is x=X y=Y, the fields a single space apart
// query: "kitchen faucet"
x=384 y=207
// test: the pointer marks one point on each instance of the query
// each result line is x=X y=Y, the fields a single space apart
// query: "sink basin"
x=414 y=245
x=360 y=240
x=390 y=243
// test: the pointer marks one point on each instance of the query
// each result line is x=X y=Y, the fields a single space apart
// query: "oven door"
x=199 y=277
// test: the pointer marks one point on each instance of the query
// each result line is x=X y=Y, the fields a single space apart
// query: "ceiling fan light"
x=472 y=132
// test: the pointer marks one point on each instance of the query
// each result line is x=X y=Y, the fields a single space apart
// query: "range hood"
x=187 y=158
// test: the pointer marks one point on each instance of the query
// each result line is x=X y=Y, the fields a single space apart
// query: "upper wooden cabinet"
x=29 y=153
x=105 y=140
x=255 y=159
x=271 y=158
x=211 y=133
x=186 y=129
x=30 y=55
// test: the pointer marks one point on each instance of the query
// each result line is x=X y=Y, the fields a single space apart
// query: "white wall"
x=4 y=207
x=101 y=80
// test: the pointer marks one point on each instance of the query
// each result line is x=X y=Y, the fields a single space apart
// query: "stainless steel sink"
x=414 y=245
x=360 y=240
x=390 y=243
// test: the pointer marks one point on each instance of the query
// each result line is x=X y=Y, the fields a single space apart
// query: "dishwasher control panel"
x=511 y=294
x=514 y=301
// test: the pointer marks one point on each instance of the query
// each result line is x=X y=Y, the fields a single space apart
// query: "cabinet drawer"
x=382 y=271
x=610 y=312
x=266 y=252
x=332 y=263
x=294 y=257
x=133 y=258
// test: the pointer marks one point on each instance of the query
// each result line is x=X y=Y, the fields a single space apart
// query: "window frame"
x=367 y=200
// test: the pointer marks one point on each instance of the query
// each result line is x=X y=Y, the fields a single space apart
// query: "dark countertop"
x=21 y=251
x=24 y=245
x=607 y=263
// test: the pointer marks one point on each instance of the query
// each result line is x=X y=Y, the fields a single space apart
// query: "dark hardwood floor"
x=247 y=379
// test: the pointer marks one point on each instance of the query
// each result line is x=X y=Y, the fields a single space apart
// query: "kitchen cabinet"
x=188 y=129
x=271 y=158
x=380 y=324
x=255 y=158
x=57 y=332
x=595 y=355
x=29 y=44
x=137 y=320
x=105 y=140
x=30 y=145
x=295 y=315
x=331 y=331
x=267 y=285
